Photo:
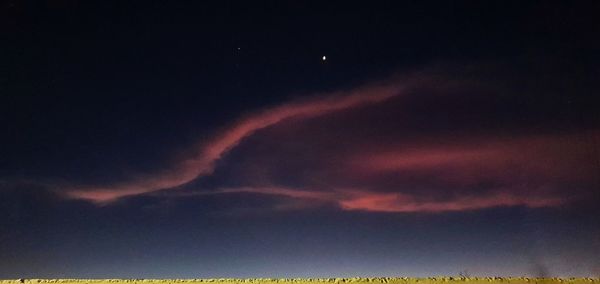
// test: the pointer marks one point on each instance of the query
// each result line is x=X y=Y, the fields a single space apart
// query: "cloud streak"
x=397 y=202
x=211 y=151
x=399 y=147
x=392 y=202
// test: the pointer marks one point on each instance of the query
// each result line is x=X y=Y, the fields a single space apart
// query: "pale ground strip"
x=381 y=280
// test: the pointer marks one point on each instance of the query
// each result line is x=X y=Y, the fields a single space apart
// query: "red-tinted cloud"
x=398 y=202
x=548 y=159
x=213 y=150
x=364 y=200
x=438 y=147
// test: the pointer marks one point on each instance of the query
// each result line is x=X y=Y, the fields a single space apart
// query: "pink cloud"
x=419 y=171
x=209 y=152
x=557 y=158
x=398 y=202
x=391 y=202
x=476 y=173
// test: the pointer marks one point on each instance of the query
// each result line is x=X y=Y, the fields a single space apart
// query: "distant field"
x=438 y=280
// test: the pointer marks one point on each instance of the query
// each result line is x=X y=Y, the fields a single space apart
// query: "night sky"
x=196 y=139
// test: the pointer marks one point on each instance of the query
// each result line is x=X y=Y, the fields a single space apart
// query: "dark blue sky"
x=186 y=140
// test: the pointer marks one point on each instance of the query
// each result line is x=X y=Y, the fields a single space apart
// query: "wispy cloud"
x=351 y=199
x=398 y=202
x=212 y=150
x=383 y=148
